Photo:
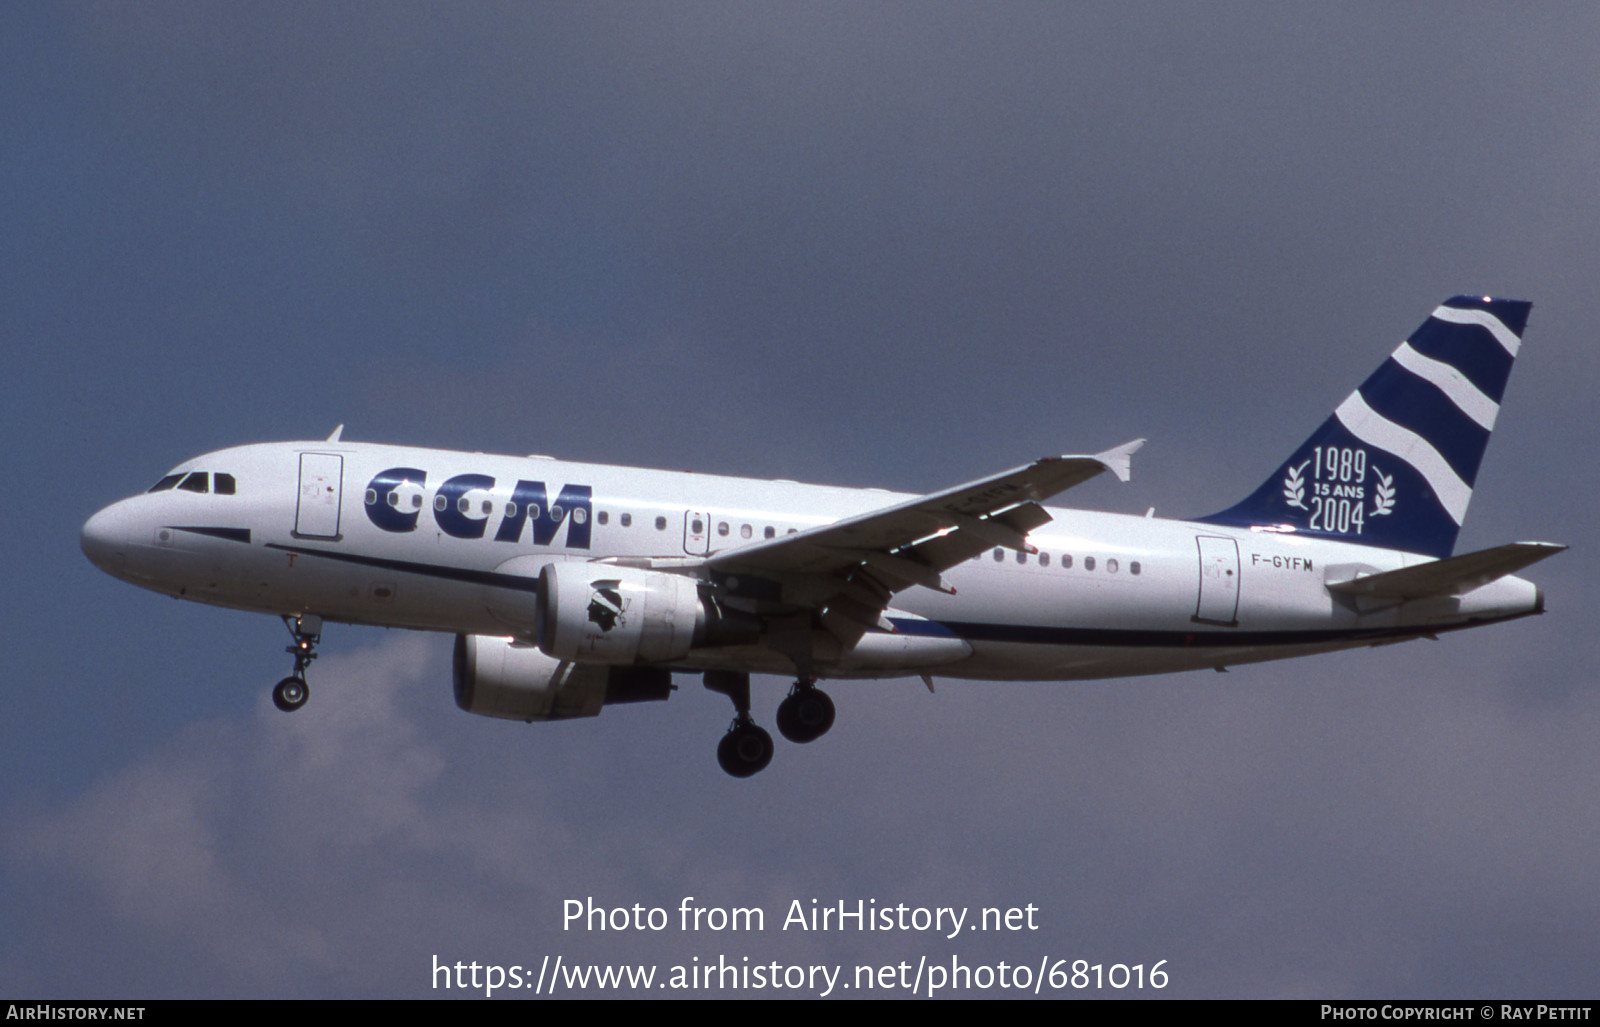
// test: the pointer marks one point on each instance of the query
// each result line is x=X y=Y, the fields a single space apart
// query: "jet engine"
x=496 y=677
x=602 y=613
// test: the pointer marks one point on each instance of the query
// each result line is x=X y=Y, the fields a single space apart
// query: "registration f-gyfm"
x=571 y=586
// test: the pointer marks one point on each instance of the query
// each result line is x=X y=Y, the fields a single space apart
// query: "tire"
x=290 y=694
x=815 y=711
x=806 y=715
x=744 y=750
x=789 y=725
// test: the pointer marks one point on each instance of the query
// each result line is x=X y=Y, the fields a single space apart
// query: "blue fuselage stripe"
x=230 y=534
x=972 y=631
x=1029 y=634
x=431 y=570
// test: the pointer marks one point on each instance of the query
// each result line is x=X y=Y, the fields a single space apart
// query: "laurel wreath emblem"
x=1383 y=495
x=1294 y=486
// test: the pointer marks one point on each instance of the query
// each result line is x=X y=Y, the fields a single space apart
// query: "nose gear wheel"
x=290 y=694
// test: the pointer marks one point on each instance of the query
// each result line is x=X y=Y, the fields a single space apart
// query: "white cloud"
x=1269 y=831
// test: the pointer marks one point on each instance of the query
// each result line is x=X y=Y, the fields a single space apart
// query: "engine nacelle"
x=602 y=613
x=495 y=677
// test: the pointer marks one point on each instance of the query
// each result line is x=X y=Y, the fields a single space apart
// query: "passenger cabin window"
x=999 y=554
x=770 y=532
x=722 y=528
x=196 y=482
x=744 y=531
x=1088 y=563
x=1044 y=559
x=661 y=524
x=1066 y=560
x=627 y=520
x=1133 y=568
x=1111 y=566
x=602 y=517
x=224 y=484
x=166 y=483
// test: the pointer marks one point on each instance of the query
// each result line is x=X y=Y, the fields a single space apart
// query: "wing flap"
x=957 y=547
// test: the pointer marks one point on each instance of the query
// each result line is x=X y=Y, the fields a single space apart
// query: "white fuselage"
x=304 y=532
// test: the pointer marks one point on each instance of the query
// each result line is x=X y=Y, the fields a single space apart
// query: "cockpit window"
x=224 y=484
x=195 y=482
x=166 y=483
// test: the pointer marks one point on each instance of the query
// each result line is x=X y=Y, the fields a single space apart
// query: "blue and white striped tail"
x=1395 y=464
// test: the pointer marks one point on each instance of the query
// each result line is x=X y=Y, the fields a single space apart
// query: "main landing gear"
x=746 y=749
x=804 y=716
x=291 y=693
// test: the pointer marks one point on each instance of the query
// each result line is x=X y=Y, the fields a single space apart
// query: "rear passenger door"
x=1219 y=580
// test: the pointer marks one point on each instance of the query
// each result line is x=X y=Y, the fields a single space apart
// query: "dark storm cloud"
x=864 y=244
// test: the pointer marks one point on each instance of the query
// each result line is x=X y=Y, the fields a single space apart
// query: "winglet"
x=1119 y=460
x=336 y=433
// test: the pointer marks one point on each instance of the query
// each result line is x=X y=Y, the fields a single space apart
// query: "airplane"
x=572 y=586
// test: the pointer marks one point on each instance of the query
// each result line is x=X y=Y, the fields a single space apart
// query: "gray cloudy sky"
x=864 y=244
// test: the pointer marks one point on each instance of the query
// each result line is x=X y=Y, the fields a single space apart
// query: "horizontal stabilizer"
x=1453 y=576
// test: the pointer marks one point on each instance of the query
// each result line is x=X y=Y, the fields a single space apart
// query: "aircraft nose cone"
x=105 y=540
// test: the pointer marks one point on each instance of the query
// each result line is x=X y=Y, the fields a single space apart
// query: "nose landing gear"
x=291 y=693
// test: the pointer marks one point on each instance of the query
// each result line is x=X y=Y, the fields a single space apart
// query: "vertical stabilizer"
x=1395 y=464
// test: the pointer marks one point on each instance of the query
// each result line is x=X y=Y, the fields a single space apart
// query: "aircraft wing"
x=864 y=560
